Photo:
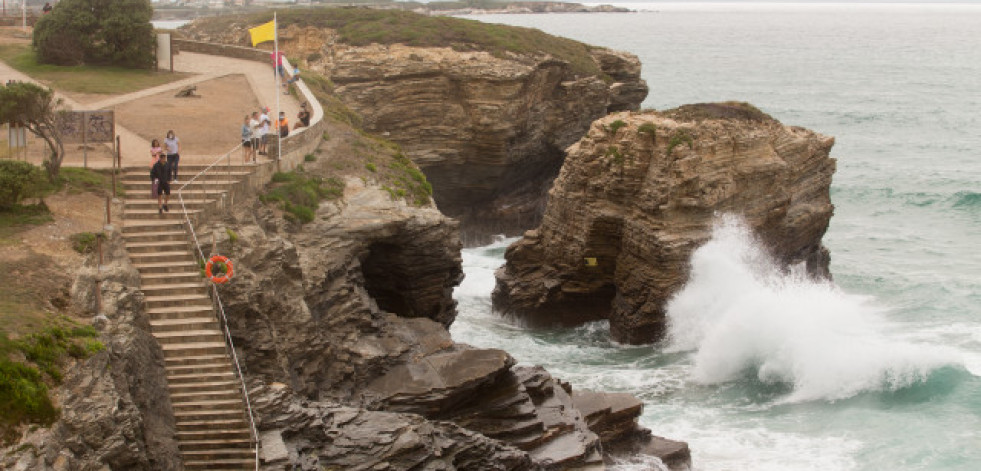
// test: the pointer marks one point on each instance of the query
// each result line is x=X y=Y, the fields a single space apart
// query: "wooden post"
x=108 y=209
x=98 y=280
x=119 y=154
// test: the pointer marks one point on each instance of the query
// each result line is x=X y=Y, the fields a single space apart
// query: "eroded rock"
x=640 y=192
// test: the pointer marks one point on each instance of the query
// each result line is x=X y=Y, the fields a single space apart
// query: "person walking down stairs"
x=160 y=176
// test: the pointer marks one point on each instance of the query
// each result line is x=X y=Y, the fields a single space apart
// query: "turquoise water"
x=764 y=371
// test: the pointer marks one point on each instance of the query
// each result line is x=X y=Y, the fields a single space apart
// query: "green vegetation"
x=309 y=158
x=37 y=109
x=18 y=180
x=85 y=242
x=615 y=126
x=23 y=384
x=650 y=129
x=363 y=26
x=102 y=32
x=106 y=80
x=371 y=167
x=299 y=193
x=409 y=181
x=679 y=137
x=232 y=235
x=618 y=158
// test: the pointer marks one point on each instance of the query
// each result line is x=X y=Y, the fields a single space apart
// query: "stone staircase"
x=213 y=429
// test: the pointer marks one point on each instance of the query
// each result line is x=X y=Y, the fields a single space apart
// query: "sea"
x=768 y=370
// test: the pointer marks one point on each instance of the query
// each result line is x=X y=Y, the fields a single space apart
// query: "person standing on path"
x=278 y=63
x=264 y=121
x=173 y=153
x=246 y=140
x=159 y=174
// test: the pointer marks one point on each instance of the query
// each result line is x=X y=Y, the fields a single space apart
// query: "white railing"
x=203 y=176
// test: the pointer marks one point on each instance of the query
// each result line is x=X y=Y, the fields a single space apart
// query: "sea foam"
x=739 y=313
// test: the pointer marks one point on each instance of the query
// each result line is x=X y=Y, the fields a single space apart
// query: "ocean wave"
x=967 y=199
x=739 y=312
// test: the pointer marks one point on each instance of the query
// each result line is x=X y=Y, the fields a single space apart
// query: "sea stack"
x=639 y=193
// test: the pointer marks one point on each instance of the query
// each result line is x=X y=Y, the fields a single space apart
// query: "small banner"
x=263 y=33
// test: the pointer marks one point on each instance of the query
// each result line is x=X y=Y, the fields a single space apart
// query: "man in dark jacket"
x=159 y=176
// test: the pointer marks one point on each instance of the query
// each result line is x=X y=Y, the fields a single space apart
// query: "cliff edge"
x=639 y=193
x=484 y=110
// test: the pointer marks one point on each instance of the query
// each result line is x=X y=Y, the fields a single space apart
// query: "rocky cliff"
x=485 y=110
x=342 y=327
x=640 y=192
x=115 y=409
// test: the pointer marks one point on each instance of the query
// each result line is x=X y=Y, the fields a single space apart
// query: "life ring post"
x=218 y=261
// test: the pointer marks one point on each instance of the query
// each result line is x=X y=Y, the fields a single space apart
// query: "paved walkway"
x=135 y=149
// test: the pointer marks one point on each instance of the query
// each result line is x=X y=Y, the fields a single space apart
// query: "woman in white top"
x=173 y=145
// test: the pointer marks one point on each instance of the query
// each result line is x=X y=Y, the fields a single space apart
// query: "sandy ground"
x=209 y=125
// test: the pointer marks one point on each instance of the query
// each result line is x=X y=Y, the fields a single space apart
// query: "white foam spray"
x=739 y=312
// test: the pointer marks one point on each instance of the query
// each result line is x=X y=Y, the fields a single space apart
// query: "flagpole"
x=276 y=67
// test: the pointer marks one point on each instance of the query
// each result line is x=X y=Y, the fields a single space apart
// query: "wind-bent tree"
x=35 y=108
x=97 y=32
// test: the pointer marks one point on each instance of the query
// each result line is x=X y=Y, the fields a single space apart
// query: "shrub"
x=100 y=32
x=680 y=136
x=84 y=242
x=18 y=180
x=371 y=167
x=232 y=235
x=309 y=158
x=300 y=194
x=616 y=125
x=650 y=129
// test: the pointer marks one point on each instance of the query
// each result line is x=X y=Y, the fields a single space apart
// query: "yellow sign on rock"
x=590 y=261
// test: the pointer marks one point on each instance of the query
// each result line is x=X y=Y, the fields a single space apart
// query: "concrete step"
x=189 y=276
x=190 y=323
x=187 y=174
x=209 y=404
x=196 y=360
x=222 y=377
x=188 y=336
x=156 y=236
x=222 y=464
x=152 y=214
x=152 y=246
x=166 y=267
x=214 y=185
x=227 y=432
x=199 y=396
x=194 y=299
x=214 y=443
x=193 y=349
x=217 y=454
x=182 y=312
x=218 y=366
x=175 y=204
x=201 y=427
x=176 y=289
x=133 y=226
x=205 y=385
x=154 y=257
x=192 y=414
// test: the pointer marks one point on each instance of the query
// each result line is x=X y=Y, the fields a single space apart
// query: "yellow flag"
x=263 y=33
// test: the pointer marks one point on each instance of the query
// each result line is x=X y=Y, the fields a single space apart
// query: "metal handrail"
x=221 y=307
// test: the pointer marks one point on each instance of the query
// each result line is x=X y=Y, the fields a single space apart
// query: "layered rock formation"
x=342 y=327
x=641 y=191
x=115 y=409
x=487 y=127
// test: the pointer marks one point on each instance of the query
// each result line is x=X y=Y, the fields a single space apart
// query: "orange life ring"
x=224 y=277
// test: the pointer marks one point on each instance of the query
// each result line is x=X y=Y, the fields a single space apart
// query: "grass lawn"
x=83 y=78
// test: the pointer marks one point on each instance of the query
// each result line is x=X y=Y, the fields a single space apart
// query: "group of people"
x=164 y=162
x=257 y=126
